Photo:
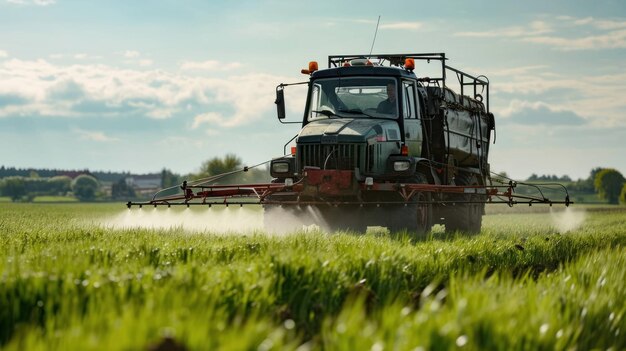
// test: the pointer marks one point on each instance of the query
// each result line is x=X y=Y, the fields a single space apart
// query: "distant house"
x=145 y=184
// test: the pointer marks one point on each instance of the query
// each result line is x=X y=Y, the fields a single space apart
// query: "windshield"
x=356 y=97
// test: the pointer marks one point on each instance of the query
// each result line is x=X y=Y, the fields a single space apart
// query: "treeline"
x=27 y=184
x=18 y=188
x=583 y=185
x=587 y=185
x=49 y=173
x=84 y=187
x=602 y=184
x=548 y=178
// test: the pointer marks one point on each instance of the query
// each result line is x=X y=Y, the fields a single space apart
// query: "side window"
x=410 y=110
x=315 y=97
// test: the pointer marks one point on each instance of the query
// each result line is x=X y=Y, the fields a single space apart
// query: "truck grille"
x=337 y=156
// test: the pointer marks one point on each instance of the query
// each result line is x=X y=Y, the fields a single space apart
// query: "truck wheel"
x=424 y=213
x=465 y=216
x=417 y=216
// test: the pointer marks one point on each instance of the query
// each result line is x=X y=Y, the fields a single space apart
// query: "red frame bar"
x=210 y=194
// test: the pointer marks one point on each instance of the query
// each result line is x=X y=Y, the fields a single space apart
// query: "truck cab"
x=362 y=115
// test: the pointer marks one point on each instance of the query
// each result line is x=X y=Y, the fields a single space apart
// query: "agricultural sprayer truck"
x=379 y=146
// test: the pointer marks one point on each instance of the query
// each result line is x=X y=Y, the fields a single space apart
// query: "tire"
x=424 y=213
x=414 y=218
x=417 y=216
x=465 y=216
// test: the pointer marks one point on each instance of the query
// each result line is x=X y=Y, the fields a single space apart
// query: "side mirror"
x=280 y=102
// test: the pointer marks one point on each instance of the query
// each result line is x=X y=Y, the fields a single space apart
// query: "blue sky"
x=141 y=85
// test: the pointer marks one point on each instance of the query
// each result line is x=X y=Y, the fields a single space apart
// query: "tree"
x=592 y=174
x=85 y=187
x=217 y=165
x=622 y=196
x=230 y=163
x=59 y=185
x=169 y=179
x=121 y=190
x=608 y=183
x=13 y=187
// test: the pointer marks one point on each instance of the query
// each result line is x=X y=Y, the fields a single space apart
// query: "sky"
x=144 y=85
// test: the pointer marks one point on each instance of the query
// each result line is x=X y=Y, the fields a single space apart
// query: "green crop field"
x=71 y=278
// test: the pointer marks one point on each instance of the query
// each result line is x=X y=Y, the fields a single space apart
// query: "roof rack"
x=477 y=83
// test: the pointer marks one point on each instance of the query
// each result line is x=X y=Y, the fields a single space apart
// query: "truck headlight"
x=401 y=166
x=283 y=167
x=280 y=167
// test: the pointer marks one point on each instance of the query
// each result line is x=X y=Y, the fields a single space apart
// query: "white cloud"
x=583 y=21
x=532 y=29
x=33 y=2
x=516 y=106
x=599 y=99
x=538 y=112
x=411 y=26
x=604 y=24
x=402 y=25
x=209 y=117
x=79 y=56
x=609 y=25
x=3 y=54
x=81 y=90
x=161 y=112
x=512 y=71
x=360 y=20
x=93 y=135
x=209 y=65
x=131 y=54
x=249 y=96
x=564 y=33
x=610 y=40
x=133 y=58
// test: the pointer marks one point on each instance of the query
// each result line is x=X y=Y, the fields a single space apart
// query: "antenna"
x=376 y=32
